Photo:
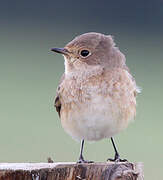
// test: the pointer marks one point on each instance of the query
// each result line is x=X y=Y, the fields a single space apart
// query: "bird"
x=96 y=96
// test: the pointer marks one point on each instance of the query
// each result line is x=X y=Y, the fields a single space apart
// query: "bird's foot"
x=117 y=159
x=81 y=160
x=84 y=161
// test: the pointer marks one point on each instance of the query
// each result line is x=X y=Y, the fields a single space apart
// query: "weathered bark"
x=71 y=171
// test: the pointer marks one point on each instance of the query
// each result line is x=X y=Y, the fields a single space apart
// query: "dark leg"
x=117 y=156
x=81 y=158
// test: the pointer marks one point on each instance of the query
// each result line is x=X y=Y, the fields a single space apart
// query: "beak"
x=60 y=50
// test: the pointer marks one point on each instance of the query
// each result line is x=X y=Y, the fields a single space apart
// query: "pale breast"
x=99 y=106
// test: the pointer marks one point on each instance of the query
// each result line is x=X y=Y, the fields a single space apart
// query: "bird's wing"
x=57 y=102
x=137 y=89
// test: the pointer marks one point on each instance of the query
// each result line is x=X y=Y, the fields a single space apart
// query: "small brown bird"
x=96 y=97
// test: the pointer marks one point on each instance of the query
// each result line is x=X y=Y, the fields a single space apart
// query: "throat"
x=78 y=69
x=84 y=73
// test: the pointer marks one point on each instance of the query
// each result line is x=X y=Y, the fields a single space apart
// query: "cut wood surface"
x=71 y=171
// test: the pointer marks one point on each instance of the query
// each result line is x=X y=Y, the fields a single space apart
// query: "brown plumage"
x=57 y=102
x=96 y=95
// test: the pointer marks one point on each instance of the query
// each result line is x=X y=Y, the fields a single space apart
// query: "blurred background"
x=30 y=130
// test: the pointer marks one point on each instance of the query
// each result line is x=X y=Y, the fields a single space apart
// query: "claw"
x=81 y=158
x=84 y=161
x=117 y=160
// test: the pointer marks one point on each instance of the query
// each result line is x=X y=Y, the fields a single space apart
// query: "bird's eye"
x=84 y=53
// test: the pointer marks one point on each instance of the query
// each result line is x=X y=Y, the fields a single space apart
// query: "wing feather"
x=57 y=102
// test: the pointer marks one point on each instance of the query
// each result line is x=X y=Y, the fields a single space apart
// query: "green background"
x=30 y=130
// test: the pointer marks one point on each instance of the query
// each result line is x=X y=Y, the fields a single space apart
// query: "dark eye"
x=84 y=53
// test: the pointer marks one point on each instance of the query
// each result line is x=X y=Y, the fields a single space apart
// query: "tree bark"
x=71 y=171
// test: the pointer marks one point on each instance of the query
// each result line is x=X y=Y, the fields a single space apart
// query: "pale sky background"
x=30 y=129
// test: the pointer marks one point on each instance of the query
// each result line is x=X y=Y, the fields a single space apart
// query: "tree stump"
x=71 y=171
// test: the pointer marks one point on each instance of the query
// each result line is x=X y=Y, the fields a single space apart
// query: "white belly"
x=100 y=118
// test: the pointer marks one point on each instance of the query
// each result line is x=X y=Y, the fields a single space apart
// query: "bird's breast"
x=96 y=108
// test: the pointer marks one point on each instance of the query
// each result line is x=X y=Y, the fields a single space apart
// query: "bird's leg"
x=81 y=158
x=117 y=156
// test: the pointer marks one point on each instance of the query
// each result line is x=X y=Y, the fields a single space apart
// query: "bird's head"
x=90 y=49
